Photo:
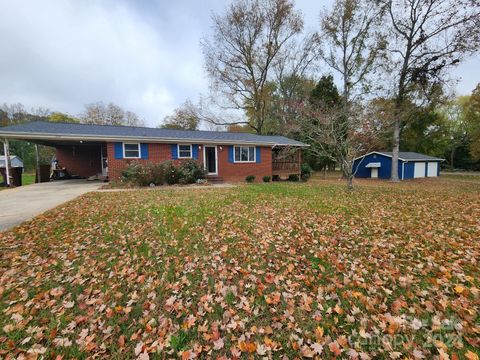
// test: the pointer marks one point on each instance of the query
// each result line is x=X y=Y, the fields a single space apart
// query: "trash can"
x=17 y=176
x=3 y=177
x=44 y=174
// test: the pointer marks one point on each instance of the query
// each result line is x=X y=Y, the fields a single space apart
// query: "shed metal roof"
x=15 y=161
x=71 y=131
x=411 y=156
x=406 y=156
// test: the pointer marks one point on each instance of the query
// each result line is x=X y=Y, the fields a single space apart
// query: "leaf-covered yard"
x=274 y=270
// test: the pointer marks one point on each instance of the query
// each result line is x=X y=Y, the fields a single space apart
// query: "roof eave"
x=46 y=136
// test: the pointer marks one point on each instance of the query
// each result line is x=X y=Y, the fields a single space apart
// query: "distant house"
x=411 y=165
x=15 y=162
x=87 y=150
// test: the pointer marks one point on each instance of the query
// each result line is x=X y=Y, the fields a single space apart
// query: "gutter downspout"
x=6 y=151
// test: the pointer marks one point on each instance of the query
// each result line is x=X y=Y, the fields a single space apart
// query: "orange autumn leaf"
x=246 y=346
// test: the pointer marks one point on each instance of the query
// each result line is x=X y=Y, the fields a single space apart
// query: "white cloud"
x=143 y=55
x=64 y=54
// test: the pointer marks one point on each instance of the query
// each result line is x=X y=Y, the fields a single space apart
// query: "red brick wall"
x=233 y=172
x=82 y=160
x=156 y=153
x=236 y=172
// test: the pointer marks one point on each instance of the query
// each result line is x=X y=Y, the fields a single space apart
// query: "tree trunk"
x=395 y=150
x=452 y=156
x=350 y=182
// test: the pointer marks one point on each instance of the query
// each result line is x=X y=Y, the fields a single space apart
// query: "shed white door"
x=374 y=173
x=432 y=169
x=419 y=170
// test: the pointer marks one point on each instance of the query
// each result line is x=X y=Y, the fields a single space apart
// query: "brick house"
x=87 y=150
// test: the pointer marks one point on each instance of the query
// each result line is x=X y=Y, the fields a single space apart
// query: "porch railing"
x=286 y=166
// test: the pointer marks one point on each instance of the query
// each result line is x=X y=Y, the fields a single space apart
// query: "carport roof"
x=43 y=130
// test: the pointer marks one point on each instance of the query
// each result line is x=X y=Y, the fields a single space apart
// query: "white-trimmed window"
x=131 y=151
x=184 y=151
x=244 y=154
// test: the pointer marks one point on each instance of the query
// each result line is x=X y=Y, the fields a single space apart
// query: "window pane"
x=244 y=151
x=251 y=154
x=237 y=153
x=131 y=147
x=131 y=154
x=132 y=150
x=184 y=151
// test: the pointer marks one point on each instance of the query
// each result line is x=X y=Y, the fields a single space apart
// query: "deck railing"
x=286 y=166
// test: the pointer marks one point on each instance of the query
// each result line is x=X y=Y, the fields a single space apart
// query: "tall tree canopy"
x=247 y=42
x=110 y=114
x=472 y=118
x=425 y=37
x=184 y=117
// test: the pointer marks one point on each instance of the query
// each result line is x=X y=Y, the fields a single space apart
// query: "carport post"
x=37 y=165
x=6 y=151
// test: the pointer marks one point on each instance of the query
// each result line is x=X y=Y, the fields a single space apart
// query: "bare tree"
x=293 y=82
x=185 y=117
x=352 y=46
x=333 y=138
x=247 y=43
x=111 y=114
x=427 y=37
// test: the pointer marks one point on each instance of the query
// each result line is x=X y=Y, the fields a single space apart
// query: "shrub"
x=130 y=172
x=306 y=171
x=171 y=173
x=157 y=174
x=293 y=177
x=143 y=174
x=190 y=171
x=250 y=178
x=266 y=178
x=276 y=178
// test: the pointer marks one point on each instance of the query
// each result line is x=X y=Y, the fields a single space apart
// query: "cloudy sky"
x=143 y=55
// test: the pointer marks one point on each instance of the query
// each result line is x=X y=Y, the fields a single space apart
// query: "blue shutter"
x=195 y=151
x=174 y=148
x=118 y=150
x=258 y=153
x=144 y=151
x=230 y=154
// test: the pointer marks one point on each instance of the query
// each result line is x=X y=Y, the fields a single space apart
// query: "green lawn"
x=27 y=179
x=312 y=270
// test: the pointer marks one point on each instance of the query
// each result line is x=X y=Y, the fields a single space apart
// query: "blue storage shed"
x=411 y=165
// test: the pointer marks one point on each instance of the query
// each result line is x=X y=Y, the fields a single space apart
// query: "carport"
x=80 y=158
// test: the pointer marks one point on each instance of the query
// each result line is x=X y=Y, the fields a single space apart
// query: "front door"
x=211 y=160
x=104 y=160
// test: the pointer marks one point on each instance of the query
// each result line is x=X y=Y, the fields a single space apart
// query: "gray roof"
x=410 y=156
x=50 y=130
x=15 y=161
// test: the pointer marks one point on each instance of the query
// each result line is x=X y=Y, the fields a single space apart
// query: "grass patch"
x=265 y=270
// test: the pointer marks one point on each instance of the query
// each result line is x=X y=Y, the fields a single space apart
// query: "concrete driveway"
x=25 y=202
